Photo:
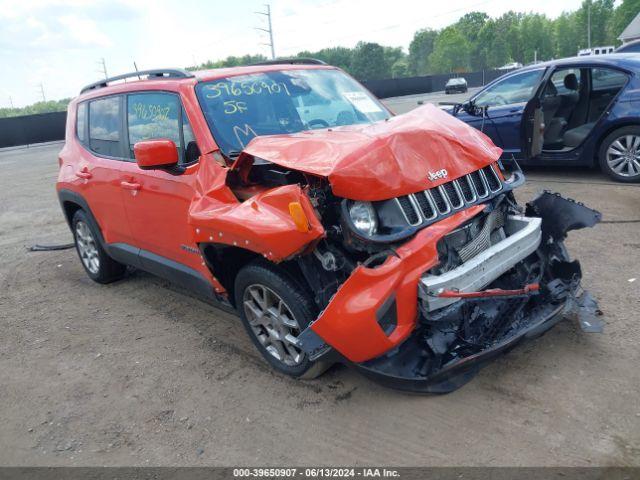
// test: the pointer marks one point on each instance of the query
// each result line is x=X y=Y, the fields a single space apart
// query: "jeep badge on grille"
x=438 y=174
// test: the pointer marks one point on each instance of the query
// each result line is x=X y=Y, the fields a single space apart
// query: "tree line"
x=475 y=42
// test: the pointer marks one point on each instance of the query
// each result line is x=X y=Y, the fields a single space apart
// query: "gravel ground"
x=140 y=373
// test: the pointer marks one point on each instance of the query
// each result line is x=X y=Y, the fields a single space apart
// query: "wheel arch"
x=225 y=262
x=71 y=202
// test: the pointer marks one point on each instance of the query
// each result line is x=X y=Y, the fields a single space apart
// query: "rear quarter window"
x=607 y=79
x=81 y=122
x=104 y=126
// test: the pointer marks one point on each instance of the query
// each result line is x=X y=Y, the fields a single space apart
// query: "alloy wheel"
x=273 y=324
x=87 y=248
x=623 y=156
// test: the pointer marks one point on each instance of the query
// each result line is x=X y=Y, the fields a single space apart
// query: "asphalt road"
x=404 y=104
x=140 y=373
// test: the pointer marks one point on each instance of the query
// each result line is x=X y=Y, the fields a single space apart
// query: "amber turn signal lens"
x=299 y=217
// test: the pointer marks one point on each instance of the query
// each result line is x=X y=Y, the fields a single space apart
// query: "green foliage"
x=230 y=62
x=470 y=26
x=338 y=56
x=419 y=50
x=39 y=107
x=451 y=52
x=477 y=42
x=369 y=62
x=626 y=12
x=474 y=42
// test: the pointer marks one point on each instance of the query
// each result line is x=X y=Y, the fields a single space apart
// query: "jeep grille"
x=432 y=204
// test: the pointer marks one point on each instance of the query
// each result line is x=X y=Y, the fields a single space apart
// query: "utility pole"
x=11 y=101
x=104 y=67
x=269 y=30
x=42 y=92
x=589 y=25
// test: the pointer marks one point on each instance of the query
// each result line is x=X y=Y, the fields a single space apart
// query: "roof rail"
x=159 y=73
x=292 y=61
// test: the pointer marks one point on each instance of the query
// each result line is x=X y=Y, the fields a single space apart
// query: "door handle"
x=130 y=185
x=84 y=173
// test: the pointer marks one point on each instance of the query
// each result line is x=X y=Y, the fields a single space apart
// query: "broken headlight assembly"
x=364 y=218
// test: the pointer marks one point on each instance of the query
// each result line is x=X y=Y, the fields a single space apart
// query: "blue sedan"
x=573 y=111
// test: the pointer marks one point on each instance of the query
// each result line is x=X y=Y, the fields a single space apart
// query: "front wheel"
x=619 y=154
x=274 y=311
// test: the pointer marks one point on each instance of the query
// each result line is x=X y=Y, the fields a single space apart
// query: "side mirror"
x=156 y=153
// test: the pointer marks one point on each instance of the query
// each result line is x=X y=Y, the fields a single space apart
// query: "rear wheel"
x=96 y=262
x=274 y=311
x=619 y=154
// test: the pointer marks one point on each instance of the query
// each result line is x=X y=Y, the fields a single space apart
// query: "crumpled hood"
x=382 y=160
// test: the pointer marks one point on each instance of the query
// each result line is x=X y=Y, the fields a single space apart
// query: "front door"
x=505 y=102
x=157 y=201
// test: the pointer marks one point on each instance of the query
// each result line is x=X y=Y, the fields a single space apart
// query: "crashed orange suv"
x=338 y=231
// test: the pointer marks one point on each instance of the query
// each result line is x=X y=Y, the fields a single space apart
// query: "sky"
x=60 y=44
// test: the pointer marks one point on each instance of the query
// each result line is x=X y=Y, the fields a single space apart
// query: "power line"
x=268 y=30
x=104 y=68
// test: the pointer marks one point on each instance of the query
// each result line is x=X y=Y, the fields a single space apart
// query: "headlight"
x=363 y=216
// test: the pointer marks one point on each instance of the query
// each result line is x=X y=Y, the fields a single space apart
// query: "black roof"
x=291 y=61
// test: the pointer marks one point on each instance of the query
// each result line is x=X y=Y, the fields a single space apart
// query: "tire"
x=625 y=165
x=261 y=287
x=96 y=262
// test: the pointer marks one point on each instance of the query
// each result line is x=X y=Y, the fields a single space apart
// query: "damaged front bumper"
x=391 y=323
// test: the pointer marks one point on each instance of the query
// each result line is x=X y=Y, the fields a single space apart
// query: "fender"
x=262 y=224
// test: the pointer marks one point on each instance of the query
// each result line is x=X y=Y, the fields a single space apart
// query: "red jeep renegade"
x=338 y=231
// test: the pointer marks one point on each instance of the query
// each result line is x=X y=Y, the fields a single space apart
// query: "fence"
x=396 y=87
x=43 y=127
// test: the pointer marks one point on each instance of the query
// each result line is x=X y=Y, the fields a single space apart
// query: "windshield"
x=241 y=107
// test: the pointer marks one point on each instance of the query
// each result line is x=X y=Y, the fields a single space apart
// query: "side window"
x=607 y=79
x=104 y=126
x=567 y=80
x=152 y=116
x=81 y=122
x=517 y=88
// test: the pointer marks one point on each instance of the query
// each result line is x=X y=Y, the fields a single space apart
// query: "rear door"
x=99 y=130
x=505 y=103
x=606 y=83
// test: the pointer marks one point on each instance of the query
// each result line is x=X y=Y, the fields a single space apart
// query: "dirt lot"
x=139 y=373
